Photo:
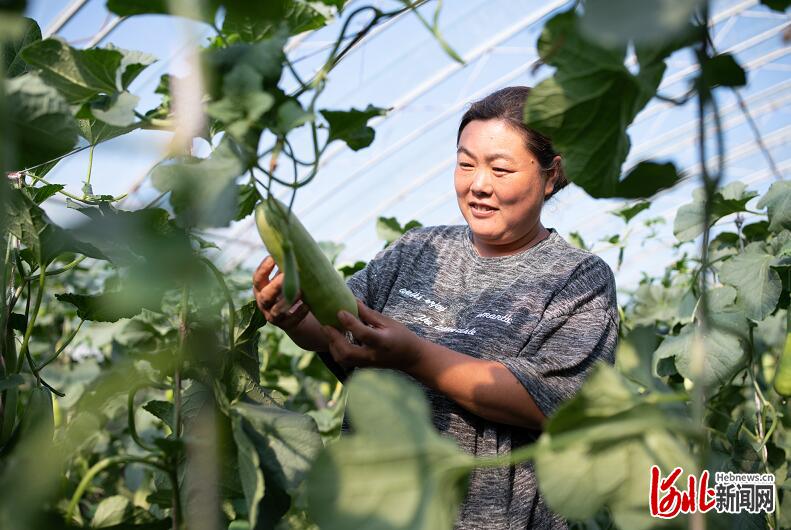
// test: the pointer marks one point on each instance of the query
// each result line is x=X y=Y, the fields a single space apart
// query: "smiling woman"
x=499 y=320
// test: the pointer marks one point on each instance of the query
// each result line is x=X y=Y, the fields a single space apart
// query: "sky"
x=408 y=171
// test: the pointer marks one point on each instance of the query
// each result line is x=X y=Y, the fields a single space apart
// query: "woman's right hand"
x=270 y=300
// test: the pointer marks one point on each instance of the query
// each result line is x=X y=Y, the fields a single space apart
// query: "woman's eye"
x=500 y=170
x=465 y=165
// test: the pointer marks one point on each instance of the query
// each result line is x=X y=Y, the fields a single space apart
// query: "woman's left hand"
x=385 y=343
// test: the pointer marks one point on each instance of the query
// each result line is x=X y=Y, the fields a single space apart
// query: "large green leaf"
x=114 y=305
x=13 y=64
x=655 y=303
x=395 y=471
x=203 y=191
x=723 y=355
x=351 y=126
x=249 y=470
x=731 y=199
x=41 y=123
x=634 y=353
x=81 y=75
x=111 y=511
x=586 y=106
x=758 y=285
x=287 y=442
x=598 y=448
x=244 y=101
x=777 y=202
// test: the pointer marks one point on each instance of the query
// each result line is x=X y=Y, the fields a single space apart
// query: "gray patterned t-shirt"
x=547 y=314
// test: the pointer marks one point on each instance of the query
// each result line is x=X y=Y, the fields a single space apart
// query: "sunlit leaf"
x=41 y=122
x=287 y=442
x=249 y=470
x=13 y=63
x=586 y=107
x=394 y=454
x=82 y=74
x=757 y=283
x=723 y=355
x=731 y=199
x=777 y=202
x=111 y=511
x=628 y=212
x=598 y=448
x=118 y=111
x=203 y=191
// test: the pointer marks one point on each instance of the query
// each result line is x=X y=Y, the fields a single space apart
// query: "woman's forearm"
x=485 y=388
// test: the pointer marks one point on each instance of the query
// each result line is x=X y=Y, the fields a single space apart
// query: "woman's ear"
x=552 y=176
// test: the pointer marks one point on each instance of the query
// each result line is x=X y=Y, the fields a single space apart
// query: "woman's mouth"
x=481 y=210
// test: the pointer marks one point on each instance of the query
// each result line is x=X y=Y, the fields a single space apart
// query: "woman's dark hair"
x=508 y=104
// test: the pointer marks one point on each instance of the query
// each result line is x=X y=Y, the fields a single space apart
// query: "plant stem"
x=173 y=468
x=100 y=466
x=32 y=318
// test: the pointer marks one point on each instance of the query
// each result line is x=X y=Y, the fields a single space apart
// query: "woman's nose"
x=481 y=182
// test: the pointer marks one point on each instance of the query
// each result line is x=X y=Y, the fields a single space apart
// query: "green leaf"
x=724 y=313
x=729 y=200
x=394 y=454
x=598 y=448
x=627 y=213
x=291 y=115
x=249 y=470
x=44 y=192
x=617 y=22
x=388 y=229
x=81 y=75
x=244 y=101
x=723 y=355
x=42 y=125
x=575 y=238
x=254 y=22
x=758 y=285
x=586 y=107
x=647 y=178
x=10 y=49
x=634 y=354
x=203 y=191
x=287 y=442
x=112 y=306
x=248 y=197
x=96 y=131
x=777 y=5
x=162 y=410
x=658 y=304
x=723 y=70
x=348 y=270
x=118 y=110
x=777 y=202
x=352 y=126
x=111 y=511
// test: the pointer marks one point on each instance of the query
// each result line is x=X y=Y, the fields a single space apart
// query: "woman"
x=499 y=320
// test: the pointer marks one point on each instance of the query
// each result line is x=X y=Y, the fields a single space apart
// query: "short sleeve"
x=578 y=328
x=561 y=353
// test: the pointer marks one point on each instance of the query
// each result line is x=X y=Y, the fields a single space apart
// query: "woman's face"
x=499 y=184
